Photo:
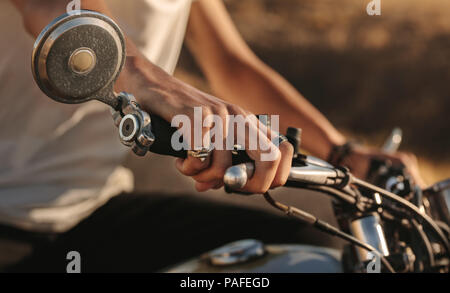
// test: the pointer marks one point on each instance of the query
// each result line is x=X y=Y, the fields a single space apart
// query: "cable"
x=325 y=227
x=426 y=242
x=335 y=193
x=338 y=194
x=409 y=206
x=444 y=227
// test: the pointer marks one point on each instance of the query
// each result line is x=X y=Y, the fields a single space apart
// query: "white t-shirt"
x=58 y=162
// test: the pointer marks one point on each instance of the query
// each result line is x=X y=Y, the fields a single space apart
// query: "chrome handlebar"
x=314 y=171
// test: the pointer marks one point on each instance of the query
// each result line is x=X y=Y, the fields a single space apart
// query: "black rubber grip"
x=240 y=157
x=163 y=132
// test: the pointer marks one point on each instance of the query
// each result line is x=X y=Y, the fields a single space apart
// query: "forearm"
x=238 y=76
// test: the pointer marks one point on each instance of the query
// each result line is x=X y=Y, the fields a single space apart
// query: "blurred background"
x=367 y=74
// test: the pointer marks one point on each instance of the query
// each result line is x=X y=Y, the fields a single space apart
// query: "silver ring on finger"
x=279 y=139
x=201 y=154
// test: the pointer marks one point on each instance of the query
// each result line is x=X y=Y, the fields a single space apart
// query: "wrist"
x=140 y=77
x=155 y=90
x=340 y=152
x=331 y=143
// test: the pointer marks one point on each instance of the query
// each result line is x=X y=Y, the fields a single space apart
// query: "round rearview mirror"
x=78 y=57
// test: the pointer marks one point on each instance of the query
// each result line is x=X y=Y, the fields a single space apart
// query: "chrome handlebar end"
x=135 y=127
x=236 y=177
x=315 y=172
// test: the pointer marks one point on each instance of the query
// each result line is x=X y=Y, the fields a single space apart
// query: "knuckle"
x=195 y=165
x=187 y=110
x=190 y=114
x=206 y=111
x=200 y=179
x=286 y=148
x=277 y=154
x=252 y=117
x=190 y=172
x=221 y=110
x=236 y=110
x=187 y=172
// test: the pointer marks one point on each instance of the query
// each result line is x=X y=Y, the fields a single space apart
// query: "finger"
x=198 y=137
x=263 y=177
x=284 y=167
x=267 y=158
x=192 y=166
x=202 y=187
x=221 y=161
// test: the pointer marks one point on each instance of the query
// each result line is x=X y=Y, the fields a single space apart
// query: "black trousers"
x=149 y=232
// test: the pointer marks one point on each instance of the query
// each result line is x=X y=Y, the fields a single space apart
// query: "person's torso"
x=55 y=159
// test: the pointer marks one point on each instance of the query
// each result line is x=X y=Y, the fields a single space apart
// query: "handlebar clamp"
x=135 y=127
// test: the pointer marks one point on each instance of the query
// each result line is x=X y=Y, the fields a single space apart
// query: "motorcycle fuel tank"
x=251 y=256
